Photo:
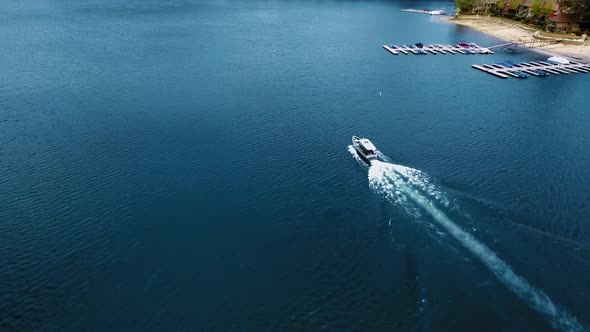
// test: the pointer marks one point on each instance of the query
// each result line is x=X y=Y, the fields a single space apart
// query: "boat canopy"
x=367 y=145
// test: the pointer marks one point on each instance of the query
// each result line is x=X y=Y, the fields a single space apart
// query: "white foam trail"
x=411 y=189
x=356 y=157
x=353 y=153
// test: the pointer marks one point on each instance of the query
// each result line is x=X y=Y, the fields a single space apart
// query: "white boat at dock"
x=534 y=68
x=425 y=11
x=419 y=48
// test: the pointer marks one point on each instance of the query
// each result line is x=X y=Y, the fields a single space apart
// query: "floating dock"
x=425 y=11
x=533 y=68
x=391 y=50
x=437 y=49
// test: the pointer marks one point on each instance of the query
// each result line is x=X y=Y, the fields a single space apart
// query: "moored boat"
x=541 y=72
x=558 y=60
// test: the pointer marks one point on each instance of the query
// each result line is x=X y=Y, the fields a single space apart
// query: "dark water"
x=183 y=166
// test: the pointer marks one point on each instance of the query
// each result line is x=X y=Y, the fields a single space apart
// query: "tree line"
x=577 y=8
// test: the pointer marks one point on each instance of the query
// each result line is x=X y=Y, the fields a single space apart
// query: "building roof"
x=486 y=2
x=565 y=18
x=546 y=3
x=528 y=3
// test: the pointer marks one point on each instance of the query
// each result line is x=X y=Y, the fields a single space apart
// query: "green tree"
x=575 y=7
x=514 y=4
x=465 y=5
x=501 y=4
x=537 y=7
x=545 y=11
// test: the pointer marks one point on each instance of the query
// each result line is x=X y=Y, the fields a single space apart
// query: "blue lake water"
x=183 y=165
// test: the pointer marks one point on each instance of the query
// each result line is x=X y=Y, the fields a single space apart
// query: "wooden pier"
x=437 y=49
x=531 y=43
x=538 y=68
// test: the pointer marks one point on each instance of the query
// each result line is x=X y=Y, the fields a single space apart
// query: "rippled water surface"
x=183 y=166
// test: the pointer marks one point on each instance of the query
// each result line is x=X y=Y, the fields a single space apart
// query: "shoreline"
x=509 y=30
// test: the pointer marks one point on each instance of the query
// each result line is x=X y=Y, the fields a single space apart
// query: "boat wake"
x=415 y=193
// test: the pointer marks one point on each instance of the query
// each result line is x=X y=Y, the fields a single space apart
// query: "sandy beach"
x=513 y=31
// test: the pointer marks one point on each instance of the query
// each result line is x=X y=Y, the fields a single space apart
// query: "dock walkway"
x=530 y=43
x=539 y=69
x=437 y=49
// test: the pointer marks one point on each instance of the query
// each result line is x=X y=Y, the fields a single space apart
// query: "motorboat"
x=365 y=148
x=541 y=72
x=558 y=60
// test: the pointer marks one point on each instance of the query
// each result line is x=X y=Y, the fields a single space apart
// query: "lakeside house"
x=536 y=8
x=546 y=14
x=564 y=23
x=485 y=6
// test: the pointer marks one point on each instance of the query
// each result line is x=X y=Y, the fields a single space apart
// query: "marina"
x=532 y=68
x=421 y=49
x=190 y=165
x=523 y=70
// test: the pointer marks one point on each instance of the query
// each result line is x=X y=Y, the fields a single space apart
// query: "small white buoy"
x=379 y=93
